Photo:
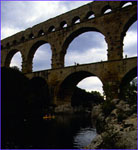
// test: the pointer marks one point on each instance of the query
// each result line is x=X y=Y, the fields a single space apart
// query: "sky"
x=86 y=48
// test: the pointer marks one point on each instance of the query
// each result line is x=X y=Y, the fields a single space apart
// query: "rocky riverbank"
x=116 y=124
x=68 y=109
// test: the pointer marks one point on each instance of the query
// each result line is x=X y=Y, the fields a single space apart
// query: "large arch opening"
x=91 y=84
x=39 y=57
x=14 y=59
x=73 y=91
x=129 y=36
x=84 y=46
x=128 y=86
x=130 y=41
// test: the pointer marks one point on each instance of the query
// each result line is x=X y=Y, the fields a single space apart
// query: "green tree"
x=129 y=92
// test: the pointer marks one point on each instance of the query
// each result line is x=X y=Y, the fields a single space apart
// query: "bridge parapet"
x=70 y=76
x=54 y=24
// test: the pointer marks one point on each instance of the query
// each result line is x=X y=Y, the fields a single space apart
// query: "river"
x=63 y=132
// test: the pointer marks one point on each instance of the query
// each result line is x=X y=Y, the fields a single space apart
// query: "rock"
x=115 y=101
x=96 y=111
x=95 y=143
x=66 y=108
x=119 y=128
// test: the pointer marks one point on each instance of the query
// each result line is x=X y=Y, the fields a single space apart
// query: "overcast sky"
x=86 y=48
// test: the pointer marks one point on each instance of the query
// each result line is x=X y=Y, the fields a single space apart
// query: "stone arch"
x=39 y=81
x=14 y=42
x=8 y=45
x=128 y=23
x=31 y=36
x=73 y=35
x=63 y=24
x=105 y=9
x=76 y=20
x=10 y=56
x=31 y=53
x=67 y=87
x=76 y=33
x=123 y=3
x=41 y=32
x=51 y=29
x=90 y=15
x=22 y=39
x=129 y=76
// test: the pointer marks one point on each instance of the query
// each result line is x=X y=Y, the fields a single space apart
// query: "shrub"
x=107 y=107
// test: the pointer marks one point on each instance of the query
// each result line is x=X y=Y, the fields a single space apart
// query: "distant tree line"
x=23 y=99
x=86 y=99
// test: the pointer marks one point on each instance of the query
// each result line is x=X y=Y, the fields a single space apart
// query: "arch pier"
x=110 y=18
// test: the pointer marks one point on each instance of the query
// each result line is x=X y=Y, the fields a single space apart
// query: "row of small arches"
x=63 y=24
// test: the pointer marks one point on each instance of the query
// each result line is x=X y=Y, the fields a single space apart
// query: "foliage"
x=109 y=140
x=38 y=97
x=82 y=98
x=100 y=126
x=107 y=107
x=121 y=115
x=21 y=99
x=13 y=88
x=16 y=68
x=129 y=92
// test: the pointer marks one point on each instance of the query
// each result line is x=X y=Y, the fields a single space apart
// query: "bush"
x=107 y=107
x=121 y=116
x=100 y=126
x=109 y=141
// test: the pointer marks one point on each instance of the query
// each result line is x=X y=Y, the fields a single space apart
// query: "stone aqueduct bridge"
x=59 y=33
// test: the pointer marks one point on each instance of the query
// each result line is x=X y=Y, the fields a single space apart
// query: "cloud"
x=91 y=84
x=8 y=31
x=19 y=15
x=87 y=40
x=86 y=48
x=130 y=44
x=42 y=58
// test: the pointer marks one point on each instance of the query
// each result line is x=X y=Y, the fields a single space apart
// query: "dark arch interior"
x=38 y=82
x=75 y=20
x=40 y=90
x=129 y=23
x=90 y=15
x=51 y=29
x=125 y=3
x=128 y=27
x=69 y=84
x=106 y=9
x=127 y=79
x=63 y=24
x=41 y=32
x=31 y=36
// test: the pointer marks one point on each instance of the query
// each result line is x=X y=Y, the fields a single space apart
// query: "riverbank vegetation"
x=23 y=99
x=116 y=121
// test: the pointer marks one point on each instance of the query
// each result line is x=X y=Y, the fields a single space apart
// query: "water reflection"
x=84 y=137
x=63 y=132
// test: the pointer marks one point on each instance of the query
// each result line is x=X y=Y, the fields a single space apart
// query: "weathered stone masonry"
x=59 y=33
